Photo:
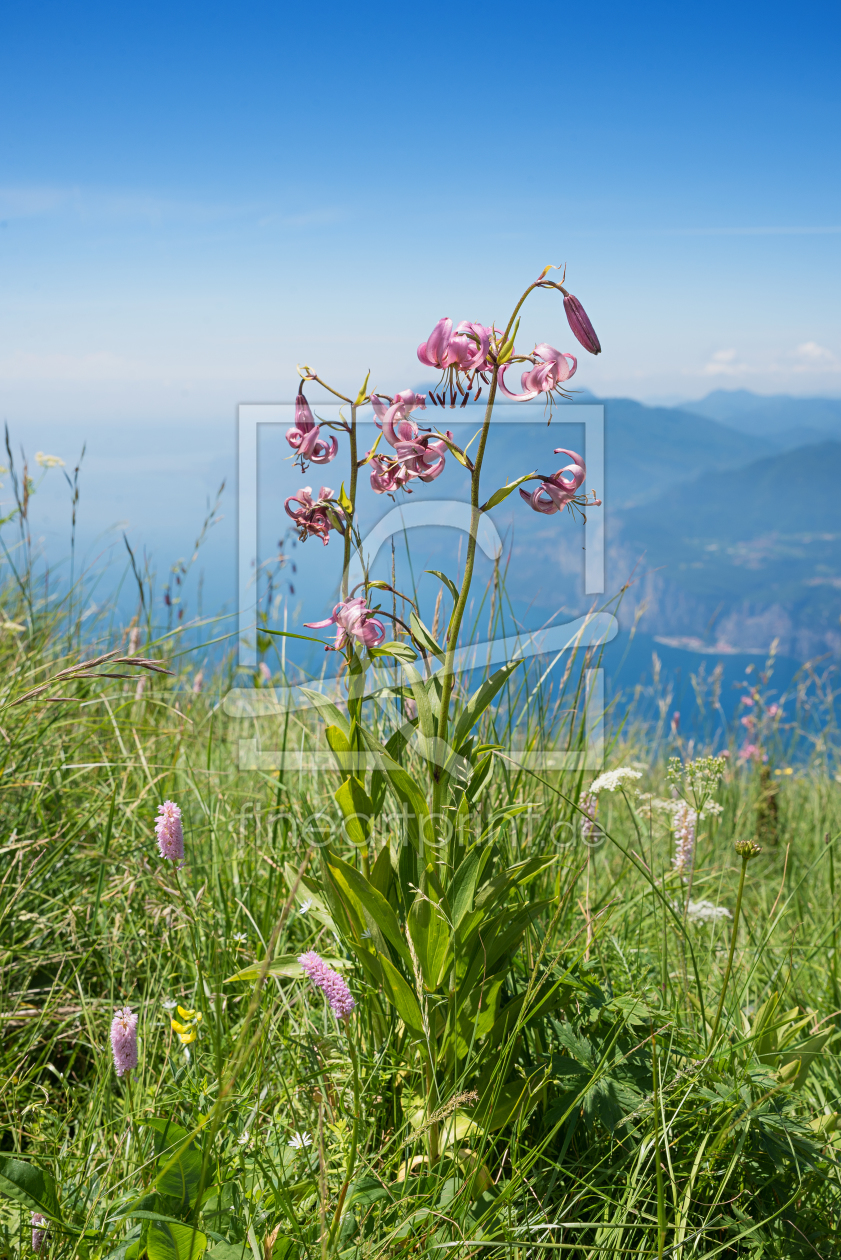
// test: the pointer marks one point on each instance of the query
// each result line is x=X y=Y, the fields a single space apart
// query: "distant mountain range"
x=728 y=525
x=780 y=419
x=732 y=560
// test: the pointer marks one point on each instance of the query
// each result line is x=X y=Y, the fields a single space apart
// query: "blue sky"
x=195 y=197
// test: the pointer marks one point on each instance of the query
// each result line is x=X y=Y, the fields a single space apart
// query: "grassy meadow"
x=600 y=1066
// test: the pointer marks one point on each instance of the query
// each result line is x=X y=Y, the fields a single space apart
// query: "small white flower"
x=241 y=937
x=612 y=779
x=706 y=912
x=712 y=809
x=170 y=1004
x=48 y=461
x=299 y=1141
x=366 y=935
x=304 y=906
x=242 y=1140
x=187 y=1055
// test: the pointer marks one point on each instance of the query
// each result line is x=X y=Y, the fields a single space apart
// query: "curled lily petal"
x=525 y=397
x=433 y=351
x=314 y=518
x=577 y=468
x=353 y=619
x=471 y=343
x=556 y=491
x=304 y=437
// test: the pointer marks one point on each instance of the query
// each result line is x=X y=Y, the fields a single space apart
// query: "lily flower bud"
x=580 y=324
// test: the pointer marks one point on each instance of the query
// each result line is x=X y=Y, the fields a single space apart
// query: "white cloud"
x=809 y=358
x=811 y=355
x=724 y=363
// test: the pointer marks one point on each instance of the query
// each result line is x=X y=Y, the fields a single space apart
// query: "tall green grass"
x=596 y=1119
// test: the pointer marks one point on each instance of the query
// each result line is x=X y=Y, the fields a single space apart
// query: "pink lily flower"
x=435 y=351
x=555 y=492
x=466 y=349
x=353 y=619
x=416 y=455
x=541 y=378
x=314 y=518
x=580 y=324
x=304 y=437
x=388 y=475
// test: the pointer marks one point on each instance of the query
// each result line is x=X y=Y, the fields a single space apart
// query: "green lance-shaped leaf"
x=408 y=792
x=174 y=1242
x=394 y=751
x=805 y=1054
x=426 y=721
x=400 y=651
x=350 y=923
x=357 y=888
x=339 y=745
x=423 y=635
x=344 y=501
x=363 y=393
x=463 y=887
x=401 y=997
x=500 y=495
x=448 y=582
x=285 y=966
x=480 y=700
x=431 y=938
x=498 y=888
x=507 y=347
x=357 y=809
x=179 y=1161
x=31 y=1186
x=327 y=709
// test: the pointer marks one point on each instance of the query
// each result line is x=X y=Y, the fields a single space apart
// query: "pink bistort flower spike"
x=353 y=619
x=543 y=377
x=323 y=977
x=304 y=437
x=169 y=832
x=686 y=820
x=124 y=1040
x=314 y=518
x=589 y=826
x=39 y=1231
x=555 y=492
x=580 y=324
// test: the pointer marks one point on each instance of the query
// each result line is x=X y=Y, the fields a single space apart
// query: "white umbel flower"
x=613 y=779
x=706 y=912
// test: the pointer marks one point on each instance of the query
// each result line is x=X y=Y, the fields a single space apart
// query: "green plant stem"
x=354 y=473
x=457 y=616
x=736 y=913
x=432 y=1132
x=354 y=1139
x=658 y=1167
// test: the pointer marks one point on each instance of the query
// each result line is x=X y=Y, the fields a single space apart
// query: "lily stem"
x=354 y=473
x=457 y=616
